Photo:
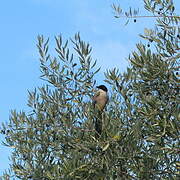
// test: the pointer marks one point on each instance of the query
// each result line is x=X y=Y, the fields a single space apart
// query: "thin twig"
x=155 y=16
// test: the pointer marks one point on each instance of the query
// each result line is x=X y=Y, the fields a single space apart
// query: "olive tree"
x=140 y=133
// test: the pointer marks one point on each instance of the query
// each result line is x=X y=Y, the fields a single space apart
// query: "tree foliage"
x=141 y=129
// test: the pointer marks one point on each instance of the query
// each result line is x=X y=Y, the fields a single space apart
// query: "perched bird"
x=100 y=100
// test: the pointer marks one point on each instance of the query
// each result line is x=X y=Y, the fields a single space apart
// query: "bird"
x=100 y=100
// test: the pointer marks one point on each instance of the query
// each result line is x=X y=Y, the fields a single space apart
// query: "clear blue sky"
x=22 y=20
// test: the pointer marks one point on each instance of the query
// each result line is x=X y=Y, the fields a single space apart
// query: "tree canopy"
x=141 y=127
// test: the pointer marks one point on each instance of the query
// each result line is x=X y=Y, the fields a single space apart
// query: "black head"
x=104 y=88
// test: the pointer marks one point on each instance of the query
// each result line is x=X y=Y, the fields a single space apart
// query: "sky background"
x=21 y=21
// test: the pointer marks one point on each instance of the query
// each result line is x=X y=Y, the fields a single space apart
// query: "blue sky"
x=21 y=22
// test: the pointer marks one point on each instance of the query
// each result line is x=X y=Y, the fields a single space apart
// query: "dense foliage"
x=141 y=129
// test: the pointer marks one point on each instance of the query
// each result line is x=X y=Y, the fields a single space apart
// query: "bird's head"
x=103 y=87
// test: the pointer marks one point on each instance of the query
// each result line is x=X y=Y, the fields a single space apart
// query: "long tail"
x=98 y=124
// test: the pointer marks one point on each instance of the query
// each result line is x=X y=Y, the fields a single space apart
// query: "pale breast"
x=101 y=100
